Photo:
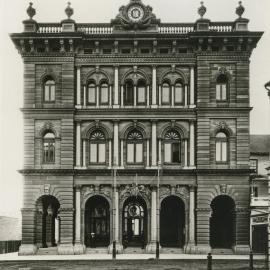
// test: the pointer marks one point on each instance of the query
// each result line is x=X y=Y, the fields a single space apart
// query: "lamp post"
x=267 y=87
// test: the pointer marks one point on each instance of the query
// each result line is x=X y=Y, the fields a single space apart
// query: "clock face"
x=135 y=13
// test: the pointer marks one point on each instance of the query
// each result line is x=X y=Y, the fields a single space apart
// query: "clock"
x=135 y=13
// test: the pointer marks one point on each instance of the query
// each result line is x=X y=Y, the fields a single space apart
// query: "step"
x=97 y=250
x=47 y=251
x=134 y=250
x=225 y=251
x=172 y=250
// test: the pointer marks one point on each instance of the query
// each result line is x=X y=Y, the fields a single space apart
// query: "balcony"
x=259 y=201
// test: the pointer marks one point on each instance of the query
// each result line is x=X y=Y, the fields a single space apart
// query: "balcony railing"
x=107 y=29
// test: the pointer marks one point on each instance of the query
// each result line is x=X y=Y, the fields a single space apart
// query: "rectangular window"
x=101 y=153
x=139 y=153
x=167 y=153
x=47 y=93
x=130 y=153
x=221 y=92
x=221 y=151
x=93 y=153
x=48 y=152
x=52 y=98
x=255 y=191
x=176 y=153
x=218 y=151
x=224 y=151
x=104 y=95
x=165 y=95
x=92 y=95
x=178 y=93
x=141 y=95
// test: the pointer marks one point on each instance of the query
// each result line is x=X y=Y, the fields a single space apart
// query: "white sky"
x=12 y=13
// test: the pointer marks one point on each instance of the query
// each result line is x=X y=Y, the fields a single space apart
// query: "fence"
x=9 y=246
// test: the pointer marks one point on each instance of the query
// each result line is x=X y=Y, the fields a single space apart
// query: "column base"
x=241 y=249
x=65 y=249
x=192 y=106
x=27 y=249
x=116 y=106
x=151 y=247
x=119 y=248
x=190 y=248
x=202 y=249
x=78 y=106
x=154 y=106
x=79 y=249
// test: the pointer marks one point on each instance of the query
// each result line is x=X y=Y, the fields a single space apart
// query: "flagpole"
x=158 y=213
x=114 y=210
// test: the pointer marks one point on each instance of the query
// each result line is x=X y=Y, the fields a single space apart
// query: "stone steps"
x=172 y=250
x=47 y=251
x=134 y=250
x=102 y=250
x=221 y=251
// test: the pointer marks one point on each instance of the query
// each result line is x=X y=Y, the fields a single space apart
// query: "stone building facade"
x=136 y=131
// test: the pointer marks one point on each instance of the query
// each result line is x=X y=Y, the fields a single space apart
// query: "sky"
x=13 y=12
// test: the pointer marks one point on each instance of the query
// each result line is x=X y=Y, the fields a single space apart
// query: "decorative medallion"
x=47 y=189
x=135 y=16
x=135 y=190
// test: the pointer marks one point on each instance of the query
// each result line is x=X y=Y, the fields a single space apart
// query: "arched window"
x=165 y=94
x=49 y=90
x=92 y=98
x=172 y=147
x=135 y=147
x=141 y=93
x=222 y=88
x=49 y=148
x=129 y=94
x=97 y=147
x=104 y=94
x=178 y=93
x=221 y=147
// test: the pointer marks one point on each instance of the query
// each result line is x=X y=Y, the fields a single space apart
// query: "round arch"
x=48 y=127
x=179 y=128
x=48 y=75
x=142 y=76
x=97 y=221
x=93 y=76
x=139 y=126
x=93 y=126
x=164 y=76
x=222 y=222
x=172 y=222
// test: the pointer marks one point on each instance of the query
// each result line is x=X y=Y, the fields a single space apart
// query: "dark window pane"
x=129 y=94
x=175 y=152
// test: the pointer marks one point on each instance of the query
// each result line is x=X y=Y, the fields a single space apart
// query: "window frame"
x=125 y=93
x=171 y=142
x=135 y=142
x=182 y=94
x=95 y=91
x=51 y=147
x=221 y=141
x=145 y=93
x=51 y=88
x=100 y=94
x=97 y=142
x=162 y=95
x=252 y=166
x=222 y=85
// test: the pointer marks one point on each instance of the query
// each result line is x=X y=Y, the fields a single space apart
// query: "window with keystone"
x=222 y=88
x=221 y=147
x=49 y=90
x=49 y=148
x=172 y=147
x=97 y=148
x=135 y=147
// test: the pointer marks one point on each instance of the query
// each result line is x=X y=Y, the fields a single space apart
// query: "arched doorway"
x=97 y=222
x=47 y=224
x=222 y=222
x=172 y=222
x=134 y=222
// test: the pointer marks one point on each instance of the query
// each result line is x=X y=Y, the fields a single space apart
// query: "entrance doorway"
x=97 y=222
x=172 y=222
x=222 y=222
x=47 y=223
x=134 y=222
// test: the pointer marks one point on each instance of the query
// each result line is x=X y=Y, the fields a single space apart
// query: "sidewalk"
x=15 y=257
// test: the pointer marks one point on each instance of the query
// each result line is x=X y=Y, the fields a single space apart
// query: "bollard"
x=157 y=251
x=251 y=260
x=114 y=250
x=209 y=261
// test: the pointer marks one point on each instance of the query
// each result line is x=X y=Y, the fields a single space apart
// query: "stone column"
x=122 y=96
x=84 y=153
x=79 y=86
x=154 y=144
x=116 y=143
x=147 y=153
x=97 y=95
x=122 y=153
x=190 y=248
x=159 y=95
x=172 y=94
x=151 y=247
x=78 y=247
x=192 y=87
x=148 y=96
x=84 y=96
x=116 y=87
x=78 y=144
x=28 y=245
x=110 y=96
x=135 y=96
x=186 y=153
x=110 y=154
x=186 y=95
x=154 y=87
x=191 y=144
x=159 y=150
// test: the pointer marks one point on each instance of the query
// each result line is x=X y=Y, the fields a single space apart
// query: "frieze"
x=134 y=190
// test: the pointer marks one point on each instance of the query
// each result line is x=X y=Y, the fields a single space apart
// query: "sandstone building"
x=136 y=131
